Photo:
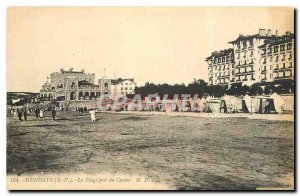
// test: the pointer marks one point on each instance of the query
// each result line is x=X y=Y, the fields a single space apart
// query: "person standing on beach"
x=53 y=112
x=15 y=114
x=36 y=111
x=20 y=113
x=41 y=113
x=25 y=114
x=93 y=116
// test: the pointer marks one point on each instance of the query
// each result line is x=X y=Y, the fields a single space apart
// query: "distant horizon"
x=150 y=44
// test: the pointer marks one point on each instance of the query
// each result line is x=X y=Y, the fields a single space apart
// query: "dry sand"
x=178 y=152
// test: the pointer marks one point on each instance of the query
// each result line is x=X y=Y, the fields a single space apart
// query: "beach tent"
x=264 y=105
x=201 y=104
x=248 y=105
x=278 y=102
x=213 y=105
x=230 y=104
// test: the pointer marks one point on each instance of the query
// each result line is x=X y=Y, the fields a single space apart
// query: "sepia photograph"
x=150 y=98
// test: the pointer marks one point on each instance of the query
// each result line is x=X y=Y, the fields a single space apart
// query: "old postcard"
x=150 y=98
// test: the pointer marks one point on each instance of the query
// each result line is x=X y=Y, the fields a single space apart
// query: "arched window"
x=86 y=95
x=106 y=86
x=72 y=96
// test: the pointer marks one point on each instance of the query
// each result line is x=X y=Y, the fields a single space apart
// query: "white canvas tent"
x=278 y=102
x=231 y=104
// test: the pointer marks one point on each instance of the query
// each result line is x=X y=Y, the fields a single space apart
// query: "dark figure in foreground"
x=53 y=113
x=20 y=113
x=37 y=112
x=25 y=114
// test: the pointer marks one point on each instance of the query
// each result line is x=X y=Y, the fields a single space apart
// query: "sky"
x=154 y=44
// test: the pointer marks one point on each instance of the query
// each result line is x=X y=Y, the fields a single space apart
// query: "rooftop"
x=220 y=53
x=263 y=34
x=119 y=80
x=278 y=40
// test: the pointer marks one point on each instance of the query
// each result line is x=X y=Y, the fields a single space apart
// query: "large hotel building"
x=259 y=58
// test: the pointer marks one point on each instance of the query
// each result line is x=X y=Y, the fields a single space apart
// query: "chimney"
x=288 y=33
x=276 y=32
x=262 y=32
x=269 y=32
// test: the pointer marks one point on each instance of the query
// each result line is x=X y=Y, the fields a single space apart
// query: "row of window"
x=277 y=75
x=244 y=44
x=130 y=88
x=245 y=55
x=126 y=83
x=222 y=59
x=277 y=58
x=278 y=66
x=275 y=49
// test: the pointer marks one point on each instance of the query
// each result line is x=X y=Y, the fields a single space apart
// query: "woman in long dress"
x=93 y=116
x=42 y=113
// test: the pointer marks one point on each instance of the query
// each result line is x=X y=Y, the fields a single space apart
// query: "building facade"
x=70 y=85
x=117 y=87
x=277 y=59
x=220 y=66
x=255 y=59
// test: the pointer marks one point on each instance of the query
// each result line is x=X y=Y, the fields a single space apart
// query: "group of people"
x=81 y=110
x=22 y=113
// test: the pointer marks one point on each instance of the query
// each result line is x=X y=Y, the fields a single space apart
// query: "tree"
x=255 y=90
x=270 y=89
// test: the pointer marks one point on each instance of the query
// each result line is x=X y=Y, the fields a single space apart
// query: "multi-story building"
x=70 y=85
x=255 y=59
x=220 y=66
x=247 y=56
x=123 y=86
x=277 y=59
x=117 y=87
x=77 y=85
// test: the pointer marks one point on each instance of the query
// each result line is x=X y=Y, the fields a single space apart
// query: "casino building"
x=70 y=85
